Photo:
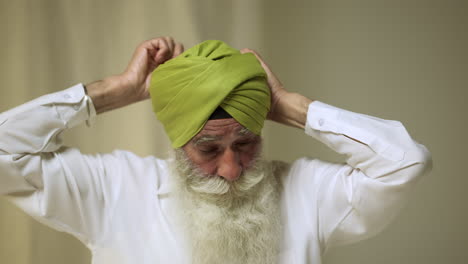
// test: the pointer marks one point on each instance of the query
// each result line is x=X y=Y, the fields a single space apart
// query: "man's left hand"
x=286 y=108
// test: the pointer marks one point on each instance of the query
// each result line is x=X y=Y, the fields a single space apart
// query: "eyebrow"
x=208 y=138
x=245 y=131
x=204 y=139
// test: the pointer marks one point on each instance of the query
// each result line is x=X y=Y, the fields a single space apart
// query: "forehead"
x=220 y=127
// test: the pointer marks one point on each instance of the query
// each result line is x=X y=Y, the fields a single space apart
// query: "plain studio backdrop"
x=403 y=60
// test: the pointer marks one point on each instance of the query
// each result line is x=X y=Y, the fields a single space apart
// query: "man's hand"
x=132 y=85
x=286 y=108
x=149 y=55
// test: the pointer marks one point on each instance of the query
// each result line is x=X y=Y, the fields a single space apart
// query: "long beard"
x=229 y=222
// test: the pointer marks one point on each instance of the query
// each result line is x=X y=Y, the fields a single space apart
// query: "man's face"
x=236 y=218
x=223 y=148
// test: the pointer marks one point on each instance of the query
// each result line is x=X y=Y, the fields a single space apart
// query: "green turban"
x=187 y=89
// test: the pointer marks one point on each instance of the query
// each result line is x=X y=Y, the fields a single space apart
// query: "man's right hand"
x=132 y=85
x=149 y=55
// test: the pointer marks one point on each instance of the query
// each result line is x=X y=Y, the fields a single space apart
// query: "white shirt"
x=118 y=204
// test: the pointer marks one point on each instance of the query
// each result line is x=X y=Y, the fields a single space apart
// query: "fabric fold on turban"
x=186 y=90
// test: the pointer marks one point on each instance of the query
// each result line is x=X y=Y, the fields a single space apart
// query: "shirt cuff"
x=74 y=106
x=324 y=119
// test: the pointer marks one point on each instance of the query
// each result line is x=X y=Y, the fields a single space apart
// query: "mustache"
x=229 y=221
x=214 y=185
x=208 y=185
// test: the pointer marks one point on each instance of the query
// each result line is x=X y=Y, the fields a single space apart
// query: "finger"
x=272 y=80
x=163 y=51
x=246 y=50
x=152 y=47
x=259 y=58
x=243 y=51
x=171 y=43
x=178 y=49
x=142 y=52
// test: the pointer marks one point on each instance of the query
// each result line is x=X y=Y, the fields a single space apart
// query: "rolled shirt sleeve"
x=57 y=185
x=34 y=128
x=338 y=203
x=353 y=201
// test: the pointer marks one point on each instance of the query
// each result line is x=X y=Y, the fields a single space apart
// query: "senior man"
x=217 y=201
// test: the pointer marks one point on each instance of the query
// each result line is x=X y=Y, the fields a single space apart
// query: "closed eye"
x=208 y=150
x=245 y=145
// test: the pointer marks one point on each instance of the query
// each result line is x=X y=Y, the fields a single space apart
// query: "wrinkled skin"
x=223 y=148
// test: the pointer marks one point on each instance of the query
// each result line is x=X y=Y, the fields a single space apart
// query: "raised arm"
x=58 y=185
x=344 y=203
x=286 y=108
x=131 y=86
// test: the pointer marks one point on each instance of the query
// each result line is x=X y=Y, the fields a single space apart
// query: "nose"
x=229 y=166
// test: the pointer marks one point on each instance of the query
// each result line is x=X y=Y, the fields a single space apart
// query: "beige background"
x=404 y=60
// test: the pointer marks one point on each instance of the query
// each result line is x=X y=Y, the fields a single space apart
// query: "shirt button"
x=66 y=96
x=76 y=107
x=321 y=122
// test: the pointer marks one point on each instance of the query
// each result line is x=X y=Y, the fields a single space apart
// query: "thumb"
x=273 y=81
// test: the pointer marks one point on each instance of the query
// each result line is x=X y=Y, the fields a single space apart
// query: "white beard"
x=229 y=222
